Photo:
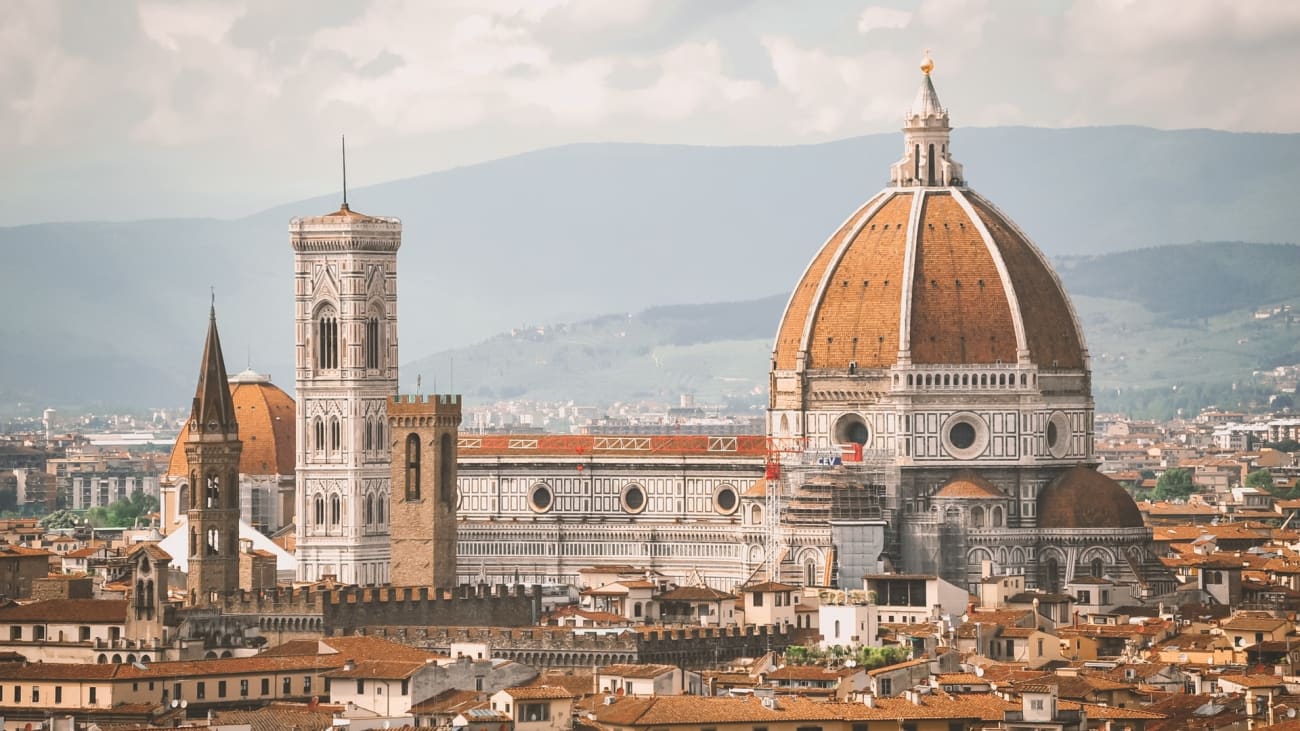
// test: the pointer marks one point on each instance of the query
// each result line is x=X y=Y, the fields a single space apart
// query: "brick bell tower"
x=423 y=511
x=212 y=453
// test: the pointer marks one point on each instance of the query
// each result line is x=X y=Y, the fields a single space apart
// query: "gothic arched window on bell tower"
x=336 y=510
x=319 y=443
x=413 y=467
x=212 y=492
x=372 y=342
x=446 y=469
x=214 y=542
x=319 y=511
x=327 y=339
x=336 y=435
x=929 y=161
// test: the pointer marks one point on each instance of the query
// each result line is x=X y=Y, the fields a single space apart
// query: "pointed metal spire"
x=214 y=410
x=343 y=139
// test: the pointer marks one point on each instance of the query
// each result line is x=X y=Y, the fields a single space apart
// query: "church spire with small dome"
x=926 y=159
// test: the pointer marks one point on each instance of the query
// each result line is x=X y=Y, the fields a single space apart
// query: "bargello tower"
x=345 y=300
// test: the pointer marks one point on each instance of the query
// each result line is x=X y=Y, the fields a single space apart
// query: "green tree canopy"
x=1174 y=484
x=123 y=513
x=1260 y=479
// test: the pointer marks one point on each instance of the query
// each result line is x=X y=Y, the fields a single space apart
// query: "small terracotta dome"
x=266 y=427
x=1084 y=498
x=970 y=485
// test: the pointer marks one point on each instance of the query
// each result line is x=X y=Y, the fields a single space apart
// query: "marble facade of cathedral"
x=929 y=345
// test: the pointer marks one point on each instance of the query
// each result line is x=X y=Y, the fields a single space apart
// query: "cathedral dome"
x=928 y=272
x=266 y=427
x=1082 y=497
x=968 y=484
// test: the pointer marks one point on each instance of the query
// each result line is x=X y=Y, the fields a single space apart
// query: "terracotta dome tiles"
x=960 y=312
x=857 y=318
x=796 y=314
x=1050 y=330
x=266 y=428
x=1082 y=497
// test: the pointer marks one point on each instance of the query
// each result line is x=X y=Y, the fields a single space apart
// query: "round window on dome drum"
x=1057 y=435
x=962 y=435
x=633 y=499
x=725 y=500
x=541 y=499
x=965 y=435
x=852 y=429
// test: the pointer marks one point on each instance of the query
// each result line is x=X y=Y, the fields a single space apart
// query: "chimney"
x=869 y=700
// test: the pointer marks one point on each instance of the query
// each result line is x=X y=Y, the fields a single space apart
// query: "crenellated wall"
x=565 y=647
x=342 y=611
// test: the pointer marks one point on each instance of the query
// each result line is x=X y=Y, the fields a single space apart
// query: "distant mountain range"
x=113 y=313
x=1154 y=319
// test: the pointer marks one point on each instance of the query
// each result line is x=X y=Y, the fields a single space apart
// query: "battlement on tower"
x=414 y=410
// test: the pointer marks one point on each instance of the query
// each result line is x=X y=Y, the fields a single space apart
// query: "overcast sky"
x=122 y=110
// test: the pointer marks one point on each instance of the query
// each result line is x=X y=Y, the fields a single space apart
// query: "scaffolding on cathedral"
x=813 y=488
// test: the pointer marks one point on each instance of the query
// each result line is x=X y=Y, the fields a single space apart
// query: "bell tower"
x=212 y=455
x=424 y=489
x=345 y=299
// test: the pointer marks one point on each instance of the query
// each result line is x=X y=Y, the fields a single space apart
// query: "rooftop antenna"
x=418 y=377
x=343 y=139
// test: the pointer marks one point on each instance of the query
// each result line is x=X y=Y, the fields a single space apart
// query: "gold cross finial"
x=927 y=63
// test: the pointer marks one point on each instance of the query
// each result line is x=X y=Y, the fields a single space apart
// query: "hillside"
x=1144 y=344
x=114 y=313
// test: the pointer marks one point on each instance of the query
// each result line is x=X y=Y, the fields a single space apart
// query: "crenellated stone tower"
x=212 y=454
x=345 y=299
x=423 y=520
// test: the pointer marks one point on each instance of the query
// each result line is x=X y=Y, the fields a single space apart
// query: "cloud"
x=210 y=90
x=876 y=17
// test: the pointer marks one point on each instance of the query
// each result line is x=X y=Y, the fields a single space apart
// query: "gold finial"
x=927 y=63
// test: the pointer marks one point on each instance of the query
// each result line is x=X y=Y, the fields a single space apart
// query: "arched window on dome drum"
x=336 y=510
x=327 y=340
x=977 y=517
x=413 y=467
x=446 y=469
x=929 y=161
x=997 y=518
x=372 y=342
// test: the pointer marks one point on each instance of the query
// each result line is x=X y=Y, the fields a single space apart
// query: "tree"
x=1260 y=479
x=1174 y=484
x=122 y=513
